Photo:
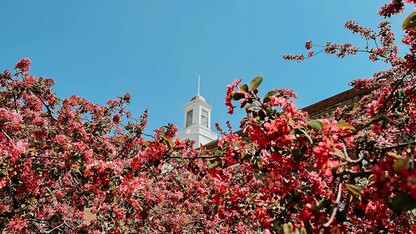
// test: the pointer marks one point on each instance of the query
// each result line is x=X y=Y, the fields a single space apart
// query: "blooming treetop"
x=74 y=166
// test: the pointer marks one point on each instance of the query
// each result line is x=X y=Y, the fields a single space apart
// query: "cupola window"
x=189 y=115
x=204 y=118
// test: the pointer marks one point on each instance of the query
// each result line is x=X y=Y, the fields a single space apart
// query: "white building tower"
x=197 y=121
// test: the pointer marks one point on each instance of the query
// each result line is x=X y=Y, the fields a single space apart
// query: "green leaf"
x=213 y=164
x=400 y=163
x=33 y=201
x=250 y=106
x=325 y=204
x=215 y=209
x=237 y=96
x=270 y=111
x=403 y=201
x=257 y=175
x=267 y=99
x=268 y=96
x=168 y=140
x=339 y=153
x=4 y=172
x=244 y=87
x=296 y=154
x=400 y=94
x=354 y=189
x=255 y=83
x=394 y=155
x=243 y=104
x=259 y=164
x=409 y=22
x=345 y=126
x=315 y=124
x=287 y=228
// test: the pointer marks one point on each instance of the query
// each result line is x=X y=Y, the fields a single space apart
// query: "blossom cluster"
x=23 y=65
x=73 y=166
x=366 y=33
x=297 y=58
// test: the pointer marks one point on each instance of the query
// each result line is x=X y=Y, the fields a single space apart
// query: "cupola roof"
x=198 y=98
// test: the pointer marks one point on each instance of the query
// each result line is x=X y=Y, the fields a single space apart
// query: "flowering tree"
x=352 y=173
x=74 y=166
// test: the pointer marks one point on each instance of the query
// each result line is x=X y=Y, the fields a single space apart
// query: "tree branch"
x=47 y=108
x=363 y=126
x=8 y=137
x=196 y=157
x=334 y=211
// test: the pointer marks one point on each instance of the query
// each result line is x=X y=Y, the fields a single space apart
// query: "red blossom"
x=16 y=225
x=229 y=95
x=23 y=65
x=308 y=45
x=392 y=8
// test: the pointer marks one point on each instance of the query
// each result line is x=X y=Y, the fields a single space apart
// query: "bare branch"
x=8 y=137
x=57 y=227
x=196 y=157
x=334 y=211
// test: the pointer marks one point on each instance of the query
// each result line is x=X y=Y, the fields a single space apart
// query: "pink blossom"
x=23 y=65
x=16 y=225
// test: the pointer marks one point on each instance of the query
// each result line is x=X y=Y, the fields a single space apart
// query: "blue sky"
x=156 y=49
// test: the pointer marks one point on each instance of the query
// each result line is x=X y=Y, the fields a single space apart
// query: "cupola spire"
x=199 y=83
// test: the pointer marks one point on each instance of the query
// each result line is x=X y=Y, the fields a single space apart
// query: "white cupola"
x=197 y=121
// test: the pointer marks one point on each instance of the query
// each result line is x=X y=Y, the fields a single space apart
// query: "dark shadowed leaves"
x=403 y=201
x=237 y=96
x=244 y=87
